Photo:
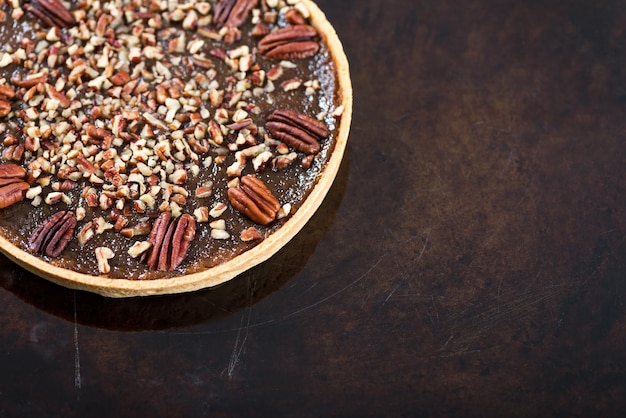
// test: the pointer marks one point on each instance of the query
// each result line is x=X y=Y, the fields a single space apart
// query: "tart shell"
x=119 y=288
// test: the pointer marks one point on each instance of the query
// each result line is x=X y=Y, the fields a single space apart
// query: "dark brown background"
x=470 y=259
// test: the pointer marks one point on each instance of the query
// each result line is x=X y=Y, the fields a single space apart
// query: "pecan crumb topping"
x=127 y=118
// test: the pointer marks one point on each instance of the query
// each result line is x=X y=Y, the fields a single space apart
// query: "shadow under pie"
x=179 y=310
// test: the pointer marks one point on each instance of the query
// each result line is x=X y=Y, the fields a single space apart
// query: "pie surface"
x=161 y=147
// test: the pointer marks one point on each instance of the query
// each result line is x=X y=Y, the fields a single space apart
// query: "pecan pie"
x=164 y=146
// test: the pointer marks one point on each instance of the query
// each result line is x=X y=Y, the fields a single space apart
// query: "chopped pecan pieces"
x=142 y=228
x=232 y=13
x=12 y=185
x=103 y=255
x=120 y=78
x=86 y=233
x=170 y=241
x=250 y=234
x=31 y=80
x=297 y=130
x=51 y=13
x=139 y=248
x=254 y=200
x=52 y=236
x=290 y=42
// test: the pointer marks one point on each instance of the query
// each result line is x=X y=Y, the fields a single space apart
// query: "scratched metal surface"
x=470 y=259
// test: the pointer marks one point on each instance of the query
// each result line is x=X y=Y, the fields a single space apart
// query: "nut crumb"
x=103 y=255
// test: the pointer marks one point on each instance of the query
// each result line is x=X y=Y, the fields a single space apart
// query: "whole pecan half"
x=254 y=199
x=170 y=241
x=12 y=185
x=299 y=131
x=232 y=13
x=52 y=236
x=290 y=42
x=6 y=94
x=5 y=108
x=51 y=13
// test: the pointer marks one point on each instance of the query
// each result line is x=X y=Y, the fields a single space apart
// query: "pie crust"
x=116 y=287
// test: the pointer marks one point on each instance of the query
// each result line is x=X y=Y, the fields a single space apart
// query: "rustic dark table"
x=470 y=260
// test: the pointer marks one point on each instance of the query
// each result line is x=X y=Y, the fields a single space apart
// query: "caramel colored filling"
x=142 y=108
